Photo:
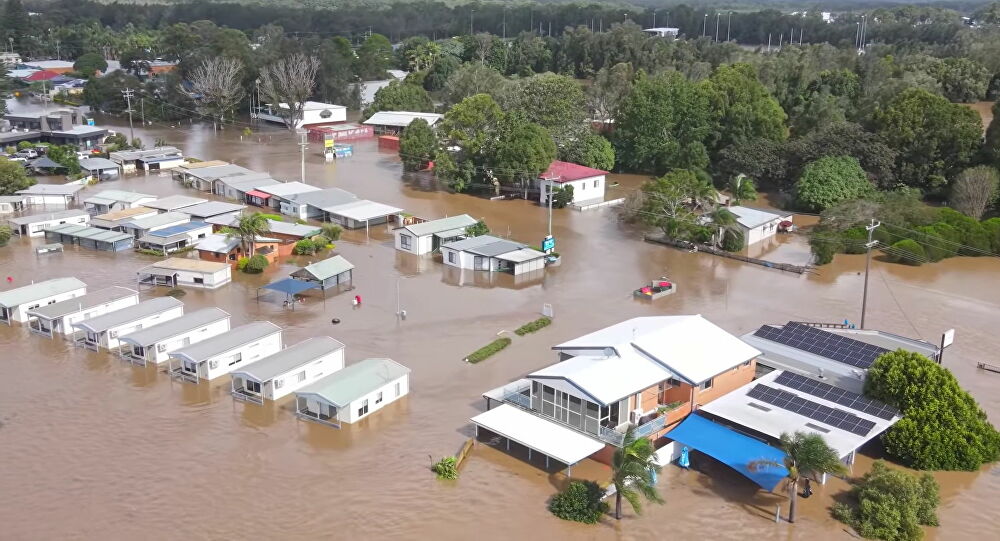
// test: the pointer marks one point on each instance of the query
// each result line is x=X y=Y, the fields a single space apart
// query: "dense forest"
x=863 y=111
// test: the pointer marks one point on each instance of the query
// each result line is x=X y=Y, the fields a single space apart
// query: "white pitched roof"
x=606 y=379
x=400 y=119
x=751 y=218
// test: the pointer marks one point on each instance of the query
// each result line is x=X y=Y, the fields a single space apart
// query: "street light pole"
x=717 y=26
x=868 y=262
x=729 y=25
x=472 y=18
x=704 y=25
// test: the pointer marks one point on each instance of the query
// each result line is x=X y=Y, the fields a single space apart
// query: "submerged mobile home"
x=15 y=303
x=225 y=353
x=354 y=392
x=288 y=370
x=58 y=319
x=153 y=345
x=105 y=331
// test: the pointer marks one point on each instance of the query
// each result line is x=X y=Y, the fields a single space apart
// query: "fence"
x=691 y=246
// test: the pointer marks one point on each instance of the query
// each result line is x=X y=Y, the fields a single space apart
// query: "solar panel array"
x=830 y=393
x=823 y=343
x=813 y=410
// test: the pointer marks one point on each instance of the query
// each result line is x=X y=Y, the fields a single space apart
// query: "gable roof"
x=286 y=189
x=211 y=208
x=327 y=268
x=158 y=220
x=605 y=380
x=124 y=214
x=485 y=245
x=356 y=380
x=321 y=199
x=185 y=264
x=173 y=202
x=400 y=119
x=290 y=358
x=40 y=290
x=227 y=341
x=460 y=221
x=51 y=189
x=79 y=304
x=168 y=329
x=48 y=216
x=119 y=196
x=218 y=243
x=559 y=171
x=362 y=210
x=751 y=217
x=178 y=229
x=129 y=314
x=94 y=164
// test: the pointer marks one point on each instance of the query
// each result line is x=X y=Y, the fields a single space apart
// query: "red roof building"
x=43 y=75
x=587 y=182
x=567 y=172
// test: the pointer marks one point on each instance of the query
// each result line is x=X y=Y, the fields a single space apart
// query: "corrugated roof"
x=184 y=264
x=286 y=189
x=212 y=208
x=362 y=210
x=328 y=268
x=149 y=222
x=485 y=245
x=40 y=290
x=124 y=214
x=175 y=327
x=128 y=315
x=400 y=119
x=93 y=164
x=354 y=381
x=90 y=233
x=751 y=217
x=241 y=184
x=227 y=341
x=444 y=224
x=173 y=202
x=178 y=229
x=291 y=358
x=52 y=189
x=129 y=155
x=79 y=304
x=522 y=255
x=203 y=165
x=49 y=217
x=559 y=171
x=220 y=244
x=119 y=196
x=324 y=198
x=298 y=230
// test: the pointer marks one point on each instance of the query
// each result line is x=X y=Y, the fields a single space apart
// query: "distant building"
x=66 y=126
x=57 y=66
x=663 y=32
x=588 y=183
x=759 y=224
x=492 y=254
x=314 y=113
x=426 y=237
x=393 y=122
x=153 y=159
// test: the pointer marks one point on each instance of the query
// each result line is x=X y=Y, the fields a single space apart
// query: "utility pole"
x=717 y=26
x=142 y=110
x=472 y=23
x=551 y=196
x=302 y=149
x=868 y=262
x=128 y=102
x=505 y=22
x=654 y=18
x=729 y=25
x=704 y=25
x=857 y=35
x=768 y=42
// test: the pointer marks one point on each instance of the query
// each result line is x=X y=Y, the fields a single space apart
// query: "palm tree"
x=633 y=468
x=741 y=188
x=725 y=222
x=806 y=455
x=248 y=228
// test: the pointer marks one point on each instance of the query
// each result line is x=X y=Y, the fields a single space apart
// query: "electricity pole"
x=551 y=195
x=868 y=262
x=717 y=26
x=302 y=149
x=472 y=15
x=142 y=110
x=128 y=102
x=729 y=25
x=704 y=25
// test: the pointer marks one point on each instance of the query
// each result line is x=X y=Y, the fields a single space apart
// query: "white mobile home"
x=12 y=203
x=758 y=224
x=35 y=225
x=288 y=370
x=177 y=237
x=174 y=202
x=426 y=237
x=51 y=195
x=493 y=254
x=110 y=200
x=237 y=186
x=226 y=352
x=313 y=112
x=280 y=193
x=15 y=303
x=311 y=204
x=116 y=219
x=139 y=227
x=58 y=319
x=153 y=159
x=153 y=345
x=351 y=394
x=182 y=272
x=212 y=209
x=105 y=331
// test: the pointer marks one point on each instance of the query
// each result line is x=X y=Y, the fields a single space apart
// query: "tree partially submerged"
x=891 y=504
x=806 y=456
x=633 y=469
x=218 y=81
x=290 y=81
x=417 y=145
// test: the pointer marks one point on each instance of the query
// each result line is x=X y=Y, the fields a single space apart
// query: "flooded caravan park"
x=95 y=448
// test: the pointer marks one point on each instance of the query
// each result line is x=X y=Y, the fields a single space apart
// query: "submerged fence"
x=696 y=247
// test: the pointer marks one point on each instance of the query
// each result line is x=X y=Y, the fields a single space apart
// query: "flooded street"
x=95 y=448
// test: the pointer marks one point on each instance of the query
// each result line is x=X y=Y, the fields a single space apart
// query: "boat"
x=656 y=289
x=49 y=248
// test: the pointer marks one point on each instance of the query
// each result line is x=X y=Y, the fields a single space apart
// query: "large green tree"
x=472 y=79
x=806 y=455
x=933 y=137
x=991 y=144
x=374 y=57
x=961 y=79
x=744 y=110
x=555 y=102
x=89 y=64
x=633 y=470
x=417 y=145
x=891 y=504
x=523 y=151
x=16 y=25
x=336 y=79
x=843 y=139
x=831 y=180
x=663 y=124
x=943 y=428
x=400 y=96
x=13 y=177
x=674 y=201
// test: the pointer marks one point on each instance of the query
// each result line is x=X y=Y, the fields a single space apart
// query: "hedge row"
x=488 y=350
x=533 y=326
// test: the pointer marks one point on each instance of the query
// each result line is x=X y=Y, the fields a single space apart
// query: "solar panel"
x=813 y=410
x=843 y=397
x=823 y=343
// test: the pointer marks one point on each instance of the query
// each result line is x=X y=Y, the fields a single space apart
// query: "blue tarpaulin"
x=291 y=286
x=732 y=449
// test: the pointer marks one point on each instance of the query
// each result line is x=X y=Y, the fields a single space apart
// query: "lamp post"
x=729 y=25
x=704 y=25
x=717 y=14
x=472 y=19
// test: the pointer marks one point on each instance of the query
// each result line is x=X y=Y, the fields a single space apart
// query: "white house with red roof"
x=587 y=182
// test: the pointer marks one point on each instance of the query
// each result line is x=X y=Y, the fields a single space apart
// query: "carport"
x=290 y=287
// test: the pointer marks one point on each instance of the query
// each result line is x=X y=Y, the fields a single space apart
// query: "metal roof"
x=175 y=327
x=485 y=245
x=40 y=290
x=178 y=229
x=751 y=218
x=151 y=238
x=356 y=380
x=400 y=119
x=51 y=189
x=320 y=199
x=211 y=208
x=247 y=184
x=227 y=341
x=286 y=189
x=328 y=268
x=298 y=230
x=12 y=198
x=174 y=202
x=443 y=224
x=219 y=243
x=522 y=255
x=363 y=210
x=79 y=304
x=49 y=217
x=149 y=222
x=203 y=165
x=547 y=437
x=290 y=358
x=213 y=172
x=94 y=164
x=129 y=155
x=119 y=196
x=129 y=314
x=124 y=214
x=184 y=264
x=90 y=233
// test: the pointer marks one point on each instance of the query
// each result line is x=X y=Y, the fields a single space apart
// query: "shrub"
x=305 y=247
x=580 y=502
x=275 y=217
x=488 y=350
x=321 y=242
x=907 y=252
x=332 y=231
x=255 y=265
x=533 y=326
x=147 y=251
x=942 y=426
x=477 y=229
x=732 y=241
x=5 y=233
x=562 y=196
x=446 y=468
x=241 y=263
x=891 y=504
x=831 y=180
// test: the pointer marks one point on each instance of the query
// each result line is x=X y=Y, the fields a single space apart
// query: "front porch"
x=247 y=390
x=316 y=411
x=43 y=327
x=185 y=371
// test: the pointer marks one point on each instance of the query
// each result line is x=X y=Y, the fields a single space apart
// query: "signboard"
x=548 y=243
x=947 y=338
x=328 y=143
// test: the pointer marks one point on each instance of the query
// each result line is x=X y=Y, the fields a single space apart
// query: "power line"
x=946 y=241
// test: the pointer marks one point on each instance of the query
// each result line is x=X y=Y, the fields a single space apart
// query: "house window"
x=397 y=388
x=364 y=408
x=378 y=398
x=583 y=186
x=199 y=280
x=301 y=376
x=706 y=385
x=596 y=182
x=213 y=364
x=745 y=363
x=236 y=358
x=451 y=257
x=232 y=257
x=253 y=386
x=405 y=242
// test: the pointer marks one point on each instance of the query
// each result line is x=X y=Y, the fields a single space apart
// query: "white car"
x=27 y=153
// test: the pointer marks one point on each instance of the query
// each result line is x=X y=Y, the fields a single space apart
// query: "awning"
x=522 y=255
x=551 y=439
x=291 y=286
x=732 y=449
x=259 y=194
x=156 y=271
x=451 y=233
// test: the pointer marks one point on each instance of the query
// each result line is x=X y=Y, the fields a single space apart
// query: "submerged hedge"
x=486 y=351
x=533 y=326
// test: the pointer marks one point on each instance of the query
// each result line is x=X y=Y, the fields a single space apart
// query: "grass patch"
x=486 y=351
x=533 y=326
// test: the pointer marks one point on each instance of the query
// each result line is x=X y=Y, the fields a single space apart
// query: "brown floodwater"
x=985 y=110
x=94 y=448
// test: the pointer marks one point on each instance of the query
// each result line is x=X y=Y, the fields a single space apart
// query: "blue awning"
x=732 y=449
x=291 y=286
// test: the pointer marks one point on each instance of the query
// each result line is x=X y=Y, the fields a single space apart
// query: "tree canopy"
x=891 y=504
x=831 y=180
x=13 y=177
x=400 y=96
x=417 y=145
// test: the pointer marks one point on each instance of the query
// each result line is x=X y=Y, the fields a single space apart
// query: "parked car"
x=27 y=153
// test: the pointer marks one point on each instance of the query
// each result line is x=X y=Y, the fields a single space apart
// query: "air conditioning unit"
x=636 y=415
